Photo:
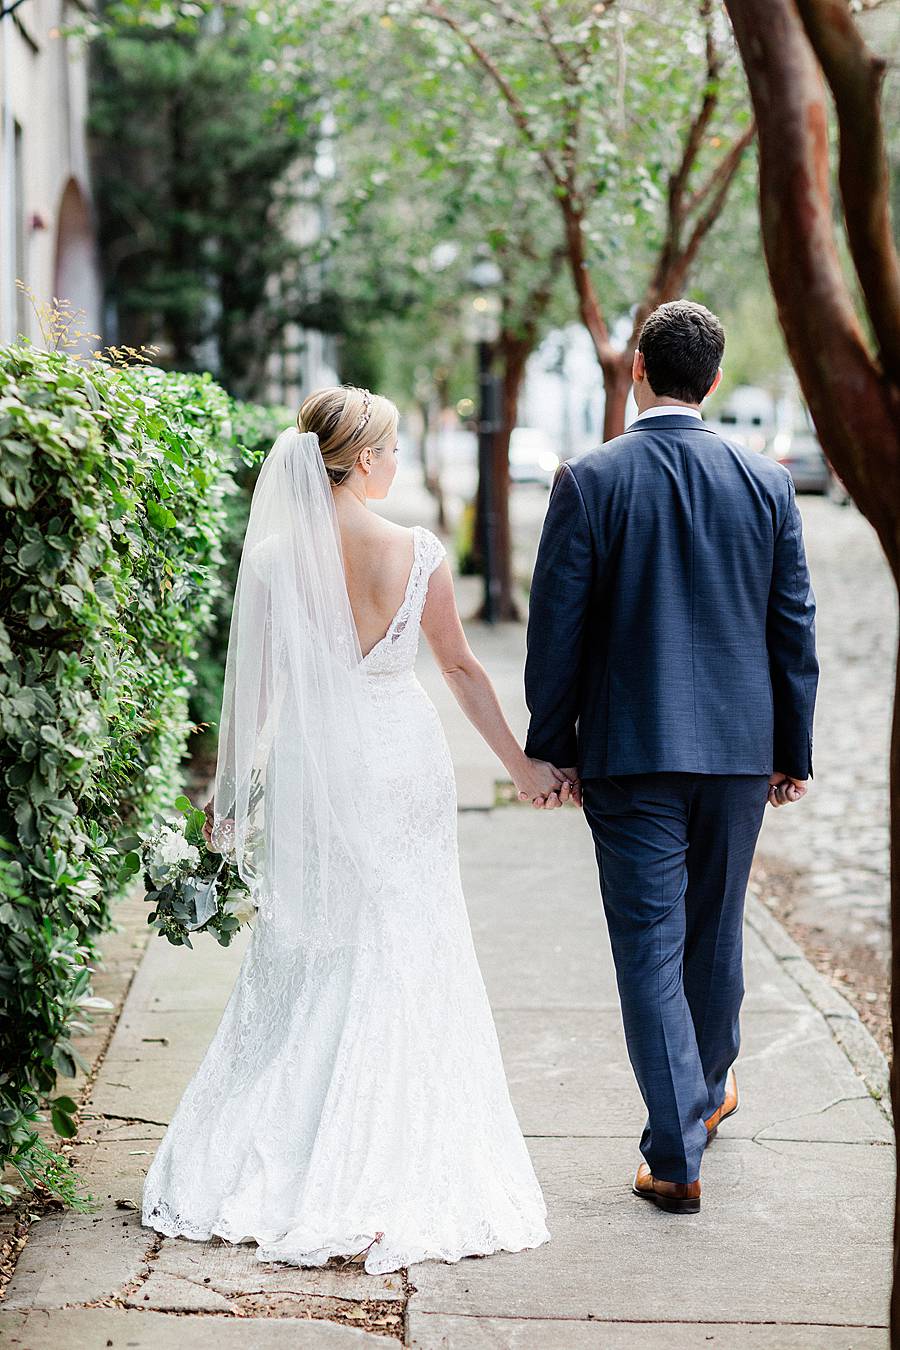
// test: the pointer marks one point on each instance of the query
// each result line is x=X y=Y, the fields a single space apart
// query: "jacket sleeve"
x=560 y=595
x=791 y=640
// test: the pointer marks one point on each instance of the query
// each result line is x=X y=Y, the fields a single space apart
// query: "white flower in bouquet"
x=239 y=905
x=172 y=849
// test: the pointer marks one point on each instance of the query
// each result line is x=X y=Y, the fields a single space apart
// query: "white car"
x=532 y=458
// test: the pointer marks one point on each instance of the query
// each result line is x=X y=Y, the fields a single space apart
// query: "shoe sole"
x=670 y=1203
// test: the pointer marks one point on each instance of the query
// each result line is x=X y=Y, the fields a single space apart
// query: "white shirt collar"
x=668 y=409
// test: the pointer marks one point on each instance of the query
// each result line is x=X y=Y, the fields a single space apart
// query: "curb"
x=844 y=1022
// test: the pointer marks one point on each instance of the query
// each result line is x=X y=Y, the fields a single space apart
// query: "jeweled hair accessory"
x=367 y=409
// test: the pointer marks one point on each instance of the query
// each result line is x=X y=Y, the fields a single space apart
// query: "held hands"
x=783 y=789
x=546 y=786
x=209 y=812
x=226 y=828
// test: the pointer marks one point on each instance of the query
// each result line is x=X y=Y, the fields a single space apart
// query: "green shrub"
x=113 y=491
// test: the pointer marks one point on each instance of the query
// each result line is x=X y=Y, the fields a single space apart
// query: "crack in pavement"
x=128 y=1120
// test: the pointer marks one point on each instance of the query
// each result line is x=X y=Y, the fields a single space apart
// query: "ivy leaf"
x=63 y=1123
x=160 y=516
x=31 y=554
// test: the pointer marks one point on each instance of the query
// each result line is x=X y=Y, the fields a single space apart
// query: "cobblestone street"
x=823 y=865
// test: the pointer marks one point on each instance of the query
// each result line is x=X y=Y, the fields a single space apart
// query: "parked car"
x=837 y=493
x=532 y=458
x=801 y=454
x=749 y=431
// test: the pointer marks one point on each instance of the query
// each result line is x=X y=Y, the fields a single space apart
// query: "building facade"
x=47 y=229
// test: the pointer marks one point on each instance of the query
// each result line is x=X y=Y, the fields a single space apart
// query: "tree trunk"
x=854 y=401
x=431 y=476
x=617 y=387
x=175 y=323
x=513 y=352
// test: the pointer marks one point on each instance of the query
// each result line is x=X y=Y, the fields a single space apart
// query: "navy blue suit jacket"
x=672 y=621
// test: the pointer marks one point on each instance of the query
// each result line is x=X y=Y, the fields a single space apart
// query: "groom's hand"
x=565 y=787
x=569 y=791
x=784 y=789
x=572 y=775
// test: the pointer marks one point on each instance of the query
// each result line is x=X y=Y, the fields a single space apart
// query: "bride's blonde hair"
x=347 y=420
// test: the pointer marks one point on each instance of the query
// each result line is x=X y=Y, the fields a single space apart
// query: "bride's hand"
x=542 y=784
x=208 y=811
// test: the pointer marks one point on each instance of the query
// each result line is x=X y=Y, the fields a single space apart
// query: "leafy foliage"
x=204 y=135
x=112 y=493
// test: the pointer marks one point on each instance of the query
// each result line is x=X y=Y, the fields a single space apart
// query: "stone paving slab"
x=433 y=1331
x=215 y=1275
x=538 y=922
x=77 y=1258
x=788 y=1232
x=174 y=977
x=569 y=1074
x=146 y=1087
x=121 y=950
x=93 y=1328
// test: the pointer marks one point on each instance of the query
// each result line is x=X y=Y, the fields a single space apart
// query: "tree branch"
x=673 y=267
x=855 y=76
x=698 y=128
x=513 y=102
x=719 y=184
x=676 y=258
x=568 y=70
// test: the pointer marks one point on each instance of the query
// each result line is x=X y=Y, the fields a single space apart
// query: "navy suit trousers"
x=674 y=852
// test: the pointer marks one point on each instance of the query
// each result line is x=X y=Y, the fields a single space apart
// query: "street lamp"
x=482 y=327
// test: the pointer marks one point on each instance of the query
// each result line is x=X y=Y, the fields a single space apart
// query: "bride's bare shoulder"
x=389 y=530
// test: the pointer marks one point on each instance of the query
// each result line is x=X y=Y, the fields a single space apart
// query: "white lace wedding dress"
x=359 y=1101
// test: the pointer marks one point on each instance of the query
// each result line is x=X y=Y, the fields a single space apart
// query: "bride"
x=352 y=1101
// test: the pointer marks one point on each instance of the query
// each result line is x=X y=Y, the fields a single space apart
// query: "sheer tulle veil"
x=292 y=800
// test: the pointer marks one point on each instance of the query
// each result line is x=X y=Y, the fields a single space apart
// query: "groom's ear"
x=715 y=384
x=638 y=370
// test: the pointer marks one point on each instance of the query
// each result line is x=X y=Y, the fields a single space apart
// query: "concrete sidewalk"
x=792 y=1245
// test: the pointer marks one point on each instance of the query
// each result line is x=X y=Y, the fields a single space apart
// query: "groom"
x=671 y=657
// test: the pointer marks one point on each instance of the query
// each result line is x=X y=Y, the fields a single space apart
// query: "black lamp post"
x=483 y=324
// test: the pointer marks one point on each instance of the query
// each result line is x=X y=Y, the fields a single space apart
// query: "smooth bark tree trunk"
x=850 y=384
x=431 y=476
x=617 y=387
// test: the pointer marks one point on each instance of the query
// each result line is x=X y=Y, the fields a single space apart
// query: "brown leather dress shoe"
x=678 y=1197
x=728 y=1107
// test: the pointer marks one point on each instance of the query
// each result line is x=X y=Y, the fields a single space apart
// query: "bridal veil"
x=292 y=800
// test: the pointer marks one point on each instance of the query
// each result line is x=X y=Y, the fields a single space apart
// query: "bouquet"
x=192 y=889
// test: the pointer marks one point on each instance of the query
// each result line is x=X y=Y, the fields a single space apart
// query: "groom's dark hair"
x=682 y=344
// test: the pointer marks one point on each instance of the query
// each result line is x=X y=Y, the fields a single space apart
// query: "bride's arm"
x=475 y=693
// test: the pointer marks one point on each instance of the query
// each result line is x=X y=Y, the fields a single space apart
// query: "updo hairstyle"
x=347 y=420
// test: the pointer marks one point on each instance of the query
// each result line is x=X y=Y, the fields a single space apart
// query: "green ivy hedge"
x=113 y=492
